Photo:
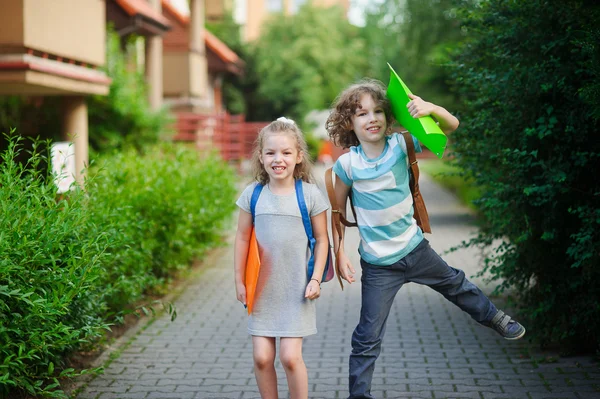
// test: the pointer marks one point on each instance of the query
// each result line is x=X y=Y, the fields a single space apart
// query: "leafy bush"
x=530 y=75
x=168 y=206
x=50 y=266
x=68 y=267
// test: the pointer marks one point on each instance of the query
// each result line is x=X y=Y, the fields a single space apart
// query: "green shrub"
x=50 y=266
x=168 y=205
x=529 y=139
x=69 y=267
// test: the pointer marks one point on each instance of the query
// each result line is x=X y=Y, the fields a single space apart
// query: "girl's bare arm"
x=319 y=225
x=242 y=241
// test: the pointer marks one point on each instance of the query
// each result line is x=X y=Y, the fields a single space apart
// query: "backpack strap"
x=420 y=211
x=335 y=209
x=311 y=238
x=254 y=199
x=307 y=224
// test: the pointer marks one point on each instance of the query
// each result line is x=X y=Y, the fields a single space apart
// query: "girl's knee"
x=291 y=361
x=263 y=361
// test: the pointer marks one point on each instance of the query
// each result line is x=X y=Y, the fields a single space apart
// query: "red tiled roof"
x=142 y=7
x=220 y=48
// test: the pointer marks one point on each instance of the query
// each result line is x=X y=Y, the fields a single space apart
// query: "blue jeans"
x=380 y=284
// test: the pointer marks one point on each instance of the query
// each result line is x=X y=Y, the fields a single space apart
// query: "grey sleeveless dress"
x=280 y=309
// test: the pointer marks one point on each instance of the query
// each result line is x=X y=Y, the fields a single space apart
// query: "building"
x=56 y=49
x=195 y=62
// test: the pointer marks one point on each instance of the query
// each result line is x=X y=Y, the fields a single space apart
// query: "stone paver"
x=431 y=348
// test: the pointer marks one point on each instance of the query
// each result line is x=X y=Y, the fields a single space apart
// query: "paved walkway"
x=431 y=348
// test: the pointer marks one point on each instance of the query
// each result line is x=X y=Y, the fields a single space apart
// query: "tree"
x=530 y=79
x=303 y=61
x=416 y=38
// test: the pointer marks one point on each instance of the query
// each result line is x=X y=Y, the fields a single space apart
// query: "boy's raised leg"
x=428 y=268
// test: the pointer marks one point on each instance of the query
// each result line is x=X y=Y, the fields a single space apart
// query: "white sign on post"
x=63 y=165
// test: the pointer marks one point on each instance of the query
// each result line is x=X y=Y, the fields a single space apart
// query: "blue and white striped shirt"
x=382 y=200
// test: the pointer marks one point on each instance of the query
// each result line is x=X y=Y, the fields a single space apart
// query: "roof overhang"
x=28 y=74
x=141 y=18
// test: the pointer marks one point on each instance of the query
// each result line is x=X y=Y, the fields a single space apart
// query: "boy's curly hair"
x=339 y=123
x=301 y=171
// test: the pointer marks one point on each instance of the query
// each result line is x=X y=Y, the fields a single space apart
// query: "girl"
x=284 y=304
x=393 y=250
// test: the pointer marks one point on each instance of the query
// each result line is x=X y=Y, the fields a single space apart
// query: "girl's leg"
x=264 y=366
x=290 y=355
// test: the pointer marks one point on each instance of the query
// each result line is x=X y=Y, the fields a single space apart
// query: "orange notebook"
x=252 y=271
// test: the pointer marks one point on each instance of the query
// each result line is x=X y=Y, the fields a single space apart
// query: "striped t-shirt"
x=382 y=199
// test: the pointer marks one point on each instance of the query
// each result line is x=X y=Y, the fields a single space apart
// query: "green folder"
x=425 y=129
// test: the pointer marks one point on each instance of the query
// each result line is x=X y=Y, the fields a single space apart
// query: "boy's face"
x=369 y=121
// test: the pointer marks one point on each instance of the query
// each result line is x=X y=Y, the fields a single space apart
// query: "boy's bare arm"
x=344 y=264
x=419 y=107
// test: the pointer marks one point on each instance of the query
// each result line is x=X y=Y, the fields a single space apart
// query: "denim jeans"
x=380 y=284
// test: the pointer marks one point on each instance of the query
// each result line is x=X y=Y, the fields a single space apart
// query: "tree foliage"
x=415 y=37
x=304 y=61
x=530 y=79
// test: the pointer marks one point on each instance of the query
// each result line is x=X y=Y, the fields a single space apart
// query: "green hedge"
x=530 y=75
x=68 y=266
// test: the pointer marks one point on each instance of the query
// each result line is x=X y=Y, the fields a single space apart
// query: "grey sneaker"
x=507 y=327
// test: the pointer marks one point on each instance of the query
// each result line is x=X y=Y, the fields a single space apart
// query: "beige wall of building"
x=176 y=84
x=24 y=23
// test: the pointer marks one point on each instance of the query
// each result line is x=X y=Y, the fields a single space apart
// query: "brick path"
x=431 y=348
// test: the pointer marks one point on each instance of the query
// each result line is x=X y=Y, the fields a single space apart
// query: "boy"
x=393 y=250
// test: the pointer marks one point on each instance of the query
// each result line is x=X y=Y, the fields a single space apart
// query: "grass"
x=449 y=177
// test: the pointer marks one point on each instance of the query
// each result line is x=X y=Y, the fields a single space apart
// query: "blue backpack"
x=328 y=273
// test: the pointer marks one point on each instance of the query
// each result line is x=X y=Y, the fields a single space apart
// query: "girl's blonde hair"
x=339 y=123
x=287 y=127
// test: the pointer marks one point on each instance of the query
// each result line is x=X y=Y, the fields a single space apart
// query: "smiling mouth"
x=278 y=168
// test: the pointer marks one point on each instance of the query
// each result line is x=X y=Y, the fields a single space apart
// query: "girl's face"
x=280 y=156
x=369 y=121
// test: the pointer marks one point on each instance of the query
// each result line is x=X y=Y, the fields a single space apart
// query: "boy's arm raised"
x=419 y=108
